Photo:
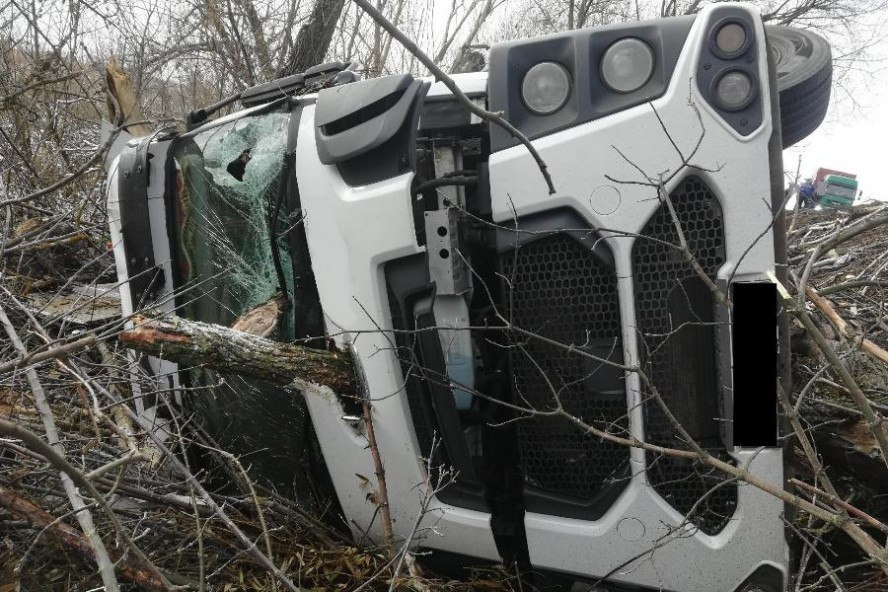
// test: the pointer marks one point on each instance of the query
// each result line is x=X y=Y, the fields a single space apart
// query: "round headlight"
x=627 y=65
x=734 y=90
x=730 y=39
x=545 y=88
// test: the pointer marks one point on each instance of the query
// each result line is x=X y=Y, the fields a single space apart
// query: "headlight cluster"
x=625 y=67
x=628 y=63
x=734 y=88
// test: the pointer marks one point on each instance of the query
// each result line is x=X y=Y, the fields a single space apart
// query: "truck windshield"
x=229 y=203
x=227 y=189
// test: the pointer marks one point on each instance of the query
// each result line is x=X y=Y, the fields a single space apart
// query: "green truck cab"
x=839 y=192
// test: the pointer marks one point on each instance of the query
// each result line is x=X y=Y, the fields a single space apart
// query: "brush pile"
x=839 y=260
x=196 y=513
x=199 y=523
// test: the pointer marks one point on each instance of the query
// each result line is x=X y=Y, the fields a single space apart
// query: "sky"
x=854 y=137
x=853 y=141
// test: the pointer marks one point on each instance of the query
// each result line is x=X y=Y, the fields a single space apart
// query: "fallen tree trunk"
x=228 y=350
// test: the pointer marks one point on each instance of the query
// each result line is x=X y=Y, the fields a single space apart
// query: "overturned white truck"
x=403 y=227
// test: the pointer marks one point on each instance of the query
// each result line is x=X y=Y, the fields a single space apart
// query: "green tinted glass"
x=230 y=204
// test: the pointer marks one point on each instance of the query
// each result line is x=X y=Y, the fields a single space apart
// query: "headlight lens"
x=734 y=90
x=730 y=39
x=627 y=65
x=545 y=88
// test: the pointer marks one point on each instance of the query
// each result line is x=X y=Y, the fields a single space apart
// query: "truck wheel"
x=803 y=61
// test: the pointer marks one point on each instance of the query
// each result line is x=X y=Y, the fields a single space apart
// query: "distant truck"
x=829 y=189
x=835 y=189
x=838 y=192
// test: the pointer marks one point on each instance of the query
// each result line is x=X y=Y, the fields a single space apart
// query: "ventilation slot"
x=676 y=319
x=562 y=291
x=360 y=116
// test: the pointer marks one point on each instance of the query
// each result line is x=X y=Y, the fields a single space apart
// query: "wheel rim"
x=792 y=52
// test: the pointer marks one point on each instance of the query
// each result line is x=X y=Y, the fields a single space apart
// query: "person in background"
x=807 y=195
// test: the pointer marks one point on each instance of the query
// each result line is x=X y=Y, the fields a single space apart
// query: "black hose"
x=459 y=173
x=444 y=182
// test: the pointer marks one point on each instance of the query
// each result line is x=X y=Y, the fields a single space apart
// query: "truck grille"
x=676 y=315
x=561 y=290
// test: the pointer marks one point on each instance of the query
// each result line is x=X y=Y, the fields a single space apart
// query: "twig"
x=44 y=244
x=54 y=352
x=872 y=221
x=381 y=488
x=73 y=176
x=445 y=476
x=689 y=257
x=70 y=537
x=74 y=475
x=57 y=450
x=874 y=423
x=57 y=458
x=841 y=325
x=850 y=285
x=205 y=496
x=255 y=497
x=839 y=502
x=129 y=457
x=859 y=536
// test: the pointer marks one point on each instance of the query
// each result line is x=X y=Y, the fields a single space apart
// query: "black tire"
x=803 y=61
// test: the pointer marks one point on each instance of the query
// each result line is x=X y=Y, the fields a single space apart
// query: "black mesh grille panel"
x=675 y=313
x=563 y=291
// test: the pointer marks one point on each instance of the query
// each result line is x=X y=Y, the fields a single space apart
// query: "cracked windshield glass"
x=230 y=195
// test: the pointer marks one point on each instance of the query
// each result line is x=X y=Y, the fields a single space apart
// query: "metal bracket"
x=446 y=267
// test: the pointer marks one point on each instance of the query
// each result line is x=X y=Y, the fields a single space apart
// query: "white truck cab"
x=474 y=301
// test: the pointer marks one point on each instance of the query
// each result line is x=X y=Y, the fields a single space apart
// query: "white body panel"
x=352 y=232
x=737 y=170
x=163 y=371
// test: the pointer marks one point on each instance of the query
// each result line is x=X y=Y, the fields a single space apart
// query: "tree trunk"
x=228 y=350
x=124 y=107
x=314 y=37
